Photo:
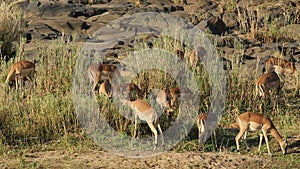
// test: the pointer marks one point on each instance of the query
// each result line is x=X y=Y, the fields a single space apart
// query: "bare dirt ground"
x=93 y=157
x=101 y=159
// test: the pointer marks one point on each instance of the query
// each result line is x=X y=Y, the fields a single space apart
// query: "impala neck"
x=275 y=133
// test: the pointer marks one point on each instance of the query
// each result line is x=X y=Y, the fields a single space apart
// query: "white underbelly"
x=254 y=126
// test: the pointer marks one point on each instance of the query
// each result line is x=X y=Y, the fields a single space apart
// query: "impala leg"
x=261 y=91
x=215 y=138
x=96 y=81
x=256 y=92
x=245 y=136
x=154 y=131
x=238 y=136
x=16 y=82
x=199 y=134
x=35 y=84
x=260 y=107
x=199 y=139
x=267 y=141
x=260 y=141
x=30 y=78
x=161 y=133
x=135 y=125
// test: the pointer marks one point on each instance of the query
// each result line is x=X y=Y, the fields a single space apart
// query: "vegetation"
x=44 y=118
x=11 y=23
x=45 y=113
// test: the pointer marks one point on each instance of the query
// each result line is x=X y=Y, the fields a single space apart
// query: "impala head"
x=134 y=92
x=174 y=93
x=128 y=91
x=180 y=94
x=163 y=98
x=283 y=146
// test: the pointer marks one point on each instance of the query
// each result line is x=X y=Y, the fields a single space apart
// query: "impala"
x=177 y=93
x=145 y=112
x=22 y=70
x=252 y=122
x=273 y=62
x=102 y=72
x=266 y=82
x=163 y=98
x=204 y=127
x=281 y=65
x=169 y=98
x=127 y=91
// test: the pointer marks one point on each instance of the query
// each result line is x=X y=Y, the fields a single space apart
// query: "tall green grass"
x=45 y=113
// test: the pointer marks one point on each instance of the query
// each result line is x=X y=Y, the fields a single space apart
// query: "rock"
x=292 y=31
x=54 y=26
x=230 y=20
x=176 y=8
x=111 y=54
x=247 y=3
x=215 y=25
x=87 y=12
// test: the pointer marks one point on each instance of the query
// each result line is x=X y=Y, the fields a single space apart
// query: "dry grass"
x=11 y=23
x=30 y=117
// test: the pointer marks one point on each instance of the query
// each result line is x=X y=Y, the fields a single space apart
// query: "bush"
x=11 y=22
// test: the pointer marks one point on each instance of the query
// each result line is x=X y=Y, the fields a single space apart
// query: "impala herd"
x=101 y=76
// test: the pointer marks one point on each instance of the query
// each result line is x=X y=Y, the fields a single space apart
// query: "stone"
x=215 y=25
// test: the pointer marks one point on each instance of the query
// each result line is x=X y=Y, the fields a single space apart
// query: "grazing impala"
x=101 y=72
x=105 y=89
x=145 y=112
x=266 y=82
x=22 y=70
x=170 y=98
x=127 y=91
x=205 y=127
x=281 y=65
x=252 y=122
x=273 y=62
